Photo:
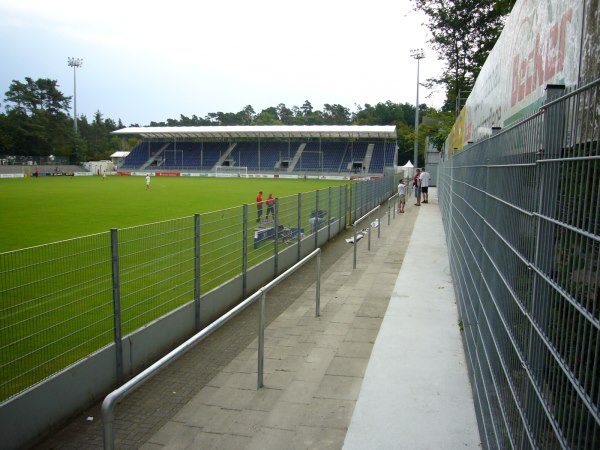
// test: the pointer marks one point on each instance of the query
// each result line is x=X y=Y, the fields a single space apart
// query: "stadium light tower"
x=418 y=55
x=75 y=63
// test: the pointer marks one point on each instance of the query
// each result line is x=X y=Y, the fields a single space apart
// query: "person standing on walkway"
x=259 y=206
x=147 y=181
x=417 y=186
x=424 y=178
x=401 y=195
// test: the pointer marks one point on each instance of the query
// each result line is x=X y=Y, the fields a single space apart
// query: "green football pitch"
x=41 y=210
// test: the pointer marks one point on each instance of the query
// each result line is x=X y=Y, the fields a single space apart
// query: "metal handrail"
x=112 y=399
x=356 y=222
x=393 y=197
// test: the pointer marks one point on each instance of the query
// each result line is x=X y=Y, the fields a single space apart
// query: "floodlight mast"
x=75 y=63
x=417 y=54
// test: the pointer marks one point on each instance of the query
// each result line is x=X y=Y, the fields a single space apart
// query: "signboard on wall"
x=543 y=42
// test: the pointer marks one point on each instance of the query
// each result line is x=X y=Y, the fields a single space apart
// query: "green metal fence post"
x=245 y=251
x=276 y=246
x=118 y=332
x=197 y=271
x=299 y=236
x=316 y=219
x=329 y=215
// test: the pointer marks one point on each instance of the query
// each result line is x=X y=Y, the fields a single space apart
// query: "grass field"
x=56 y=301
x=37 y=211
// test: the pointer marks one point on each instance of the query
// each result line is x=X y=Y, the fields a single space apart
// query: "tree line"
x=36 y=123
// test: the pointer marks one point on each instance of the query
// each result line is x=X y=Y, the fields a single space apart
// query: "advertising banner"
x=543 y=42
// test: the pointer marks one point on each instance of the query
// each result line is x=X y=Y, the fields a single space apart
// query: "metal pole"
x=276 y=246
x=418 y=55
x=75 y=98
x=245 y=251
x=329 y=215
x=118 y=333
x=261 y=338
x=299 y=222
x=347 y=207
x=317 y=219
x=354 y=242
x=369 y=233
x=197 y=271
x=75 y=63
x=340 y=213
x=318 y=294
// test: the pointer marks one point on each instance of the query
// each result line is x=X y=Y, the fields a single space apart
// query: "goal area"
x=231 y=172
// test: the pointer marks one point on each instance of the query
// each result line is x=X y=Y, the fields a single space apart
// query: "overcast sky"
x=154 y=60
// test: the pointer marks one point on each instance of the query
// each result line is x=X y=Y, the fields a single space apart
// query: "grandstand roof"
x=285 y=131
x=119 y=154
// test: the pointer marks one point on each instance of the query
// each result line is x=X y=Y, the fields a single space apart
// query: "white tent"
x=409 y=170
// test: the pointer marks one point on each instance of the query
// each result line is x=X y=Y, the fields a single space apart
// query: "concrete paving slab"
x=349 y=367
x=317 y=438
x=300 y=391
x=339 y=387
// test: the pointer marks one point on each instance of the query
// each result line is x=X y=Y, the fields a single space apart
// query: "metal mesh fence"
x=55 y=308
x=63 y=301
x=156 y=270
x=221 y=244
x=521 y=214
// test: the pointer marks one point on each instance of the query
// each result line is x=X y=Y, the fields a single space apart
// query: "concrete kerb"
x=417 y=377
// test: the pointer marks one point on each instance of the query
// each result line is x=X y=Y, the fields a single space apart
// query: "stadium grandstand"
x=343 y=150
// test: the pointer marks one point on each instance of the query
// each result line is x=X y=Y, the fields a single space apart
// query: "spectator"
x=401 y=195
x=417 y=186
x=259 y=206
x=424 y=181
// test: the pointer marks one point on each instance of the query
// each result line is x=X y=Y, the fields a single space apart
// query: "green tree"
x=387 y=113
x=286 y=115
x=35 y=96
x=268 y=116
x=463 y=32
x=336 y=114
x=306 y=108
x=247 y=115
x=437 y=125
x=39 y=124
x=405 y=141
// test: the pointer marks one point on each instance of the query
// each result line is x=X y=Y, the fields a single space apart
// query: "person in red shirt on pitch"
x=259 y=206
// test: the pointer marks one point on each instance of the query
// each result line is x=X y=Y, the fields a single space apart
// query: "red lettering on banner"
x=562 y=43
x=532 y=71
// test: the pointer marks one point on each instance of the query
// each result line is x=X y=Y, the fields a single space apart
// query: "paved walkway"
x=382 y=367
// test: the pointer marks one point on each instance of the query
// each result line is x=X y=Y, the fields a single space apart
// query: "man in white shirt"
x=425 y=177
